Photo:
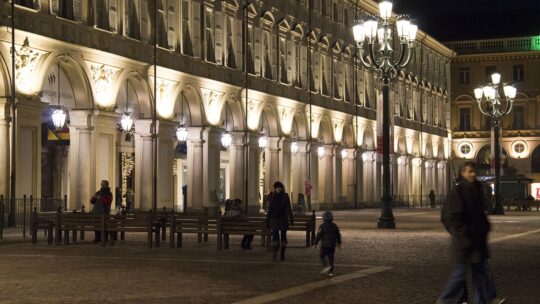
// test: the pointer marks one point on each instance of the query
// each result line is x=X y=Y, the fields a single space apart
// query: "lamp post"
x=489 y=103
x=378 y=32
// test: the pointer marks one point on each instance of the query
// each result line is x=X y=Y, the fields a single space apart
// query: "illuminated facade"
x=98 y=55
x=518 y=60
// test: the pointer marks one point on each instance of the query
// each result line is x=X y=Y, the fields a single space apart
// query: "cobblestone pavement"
x=415 y=254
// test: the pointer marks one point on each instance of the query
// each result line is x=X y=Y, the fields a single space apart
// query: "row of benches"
x=62 y=226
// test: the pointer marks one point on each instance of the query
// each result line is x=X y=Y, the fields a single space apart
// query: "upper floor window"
x=209 y=35
x=464 y=76
x=519 y=73
x=464 y=119
x=28 y=3
x=489 y=71
x=518 y=117
x=132 y=26
x=102 y=14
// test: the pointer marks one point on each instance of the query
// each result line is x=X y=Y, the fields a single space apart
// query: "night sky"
x=473 y=19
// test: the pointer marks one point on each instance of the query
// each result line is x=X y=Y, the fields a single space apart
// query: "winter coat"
x=464 y=217
x=103 y=204
x=328 y=235
x=279 y=211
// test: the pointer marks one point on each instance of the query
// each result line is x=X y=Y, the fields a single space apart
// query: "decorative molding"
x=26 y=63
x=102 y=77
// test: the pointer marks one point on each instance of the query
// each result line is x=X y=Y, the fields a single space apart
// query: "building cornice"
x=497 y=56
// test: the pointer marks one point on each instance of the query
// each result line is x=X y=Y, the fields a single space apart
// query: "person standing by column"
x=464 y=217
x=278 y=217
x=102 y=201
x=432 y=198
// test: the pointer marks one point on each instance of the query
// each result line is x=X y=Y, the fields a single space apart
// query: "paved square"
x=406 y=265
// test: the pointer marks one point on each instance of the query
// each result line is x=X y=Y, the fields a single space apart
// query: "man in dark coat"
x=278 y=217
x=432 y=198
x=102 y=201
x=464 y=217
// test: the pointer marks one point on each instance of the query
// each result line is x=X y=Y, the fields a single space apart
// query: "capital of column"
x=274 y=143
x=143 y=127
x=81 y=119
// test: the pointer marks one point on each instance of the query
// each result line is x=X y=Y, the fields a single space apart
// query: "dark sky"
x=473 y=19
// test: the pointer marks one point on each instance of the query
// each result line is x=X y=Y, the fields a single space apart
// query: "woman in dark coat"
x=278 y=217
x=464 y=217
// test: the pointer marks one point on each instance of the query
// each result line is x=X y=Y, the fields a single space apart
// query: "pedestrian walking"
x=102 y=201
x=330 y=237
x=464 y=217
x=431 y=196
x=278 y=217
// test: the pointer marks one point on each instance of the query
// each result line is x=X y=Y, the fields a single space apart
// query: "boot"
x=275 y=247
x=283 y=248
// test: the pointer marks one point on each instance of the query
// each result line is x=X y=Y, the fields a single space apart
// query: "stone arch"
x=416 y=149
x=428 y=152
x=232 y=114
x=348 y=136
x=535 y=160
x=268 y=17
x=464 y=97
x=77 y=75
x=483 y=157
x=269 y=121
x=326 y=131
x=299 y=30
x=188 y=96
x=139 y=88
x=299 y=127
x=369 y=139
x=401 y=145
x=5 y=78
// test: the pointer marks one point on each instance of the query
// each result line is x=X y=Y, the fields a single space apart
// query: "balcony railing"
x=521 y=44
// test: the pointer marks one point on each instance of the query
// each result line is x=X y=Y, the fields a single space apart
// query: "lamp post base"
x=498 y=210
x=386 y=223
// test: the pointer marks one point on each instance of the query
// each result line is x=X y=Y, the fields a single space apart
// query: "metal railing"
x=519 y=44
x=417 y=201
x=17 y=213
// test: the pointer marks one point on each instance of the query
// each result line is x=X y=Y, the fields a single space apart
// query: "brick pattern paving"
x=197 y=273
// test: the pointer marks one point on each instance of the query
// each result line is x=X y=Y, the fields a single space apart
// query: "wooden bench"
x=305 y=222
x=42 y=220
x=519 y=204
x=185 y=223
x=242 y=225
x=139 y=222
x=78 y=222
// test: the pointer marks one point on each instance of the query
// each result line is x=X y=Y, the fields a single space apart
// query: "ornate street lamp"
x=263 y=142
x=181 y=131
x=378 y=32
x=226 y=138
x=126 y=122
x=344 y=153
x=294 y=147
x=320 y=151
x=490 y=104
x=59 y=114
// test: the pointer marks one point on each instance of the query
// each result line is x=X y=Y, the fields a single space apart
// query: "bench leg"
x=199 y=237
x=82 y=234
x=66 y=237
x=74 y=236
x=158 y=231
x=164 y=233
x=49 y=235
x=179 y=239
x=122 y=235
x=226 y=241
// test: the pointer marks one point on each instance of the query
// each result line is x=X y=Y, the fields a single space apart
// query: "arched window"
x=484 y=158
x=535 y=160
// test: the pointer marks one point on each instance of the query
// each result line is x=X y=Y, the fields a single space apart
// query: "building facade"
x=306 y=95
x=518 y=61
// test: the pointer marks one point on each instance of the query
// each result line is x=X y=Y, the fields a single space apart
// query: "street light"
x=489 y=103
x=58 y=115
x=378 y=31
x=294 y=147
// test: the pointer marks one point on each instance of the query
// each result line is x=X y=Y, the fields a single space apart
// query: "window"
x=131 y=20
x=464 y=76
x=519 y=148
x=519 y=74
x=250 y=60
x=267 y=55
x=231 y=63
x=490 y=70
x=465 y=119
x=283 y=60
x=66 y=9
x=26 y=3
x=335 y=11
x=187 y=47
x=102 y=14
x=209 y=35
x=518 y=117
x=465 y=149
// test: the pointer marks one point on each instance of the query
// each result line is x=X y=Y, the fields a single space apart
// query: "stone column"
x=5 y=147
x=313 y=158
x=236 y=166
x=299 y=172
x=203 y=169
x=82 y=182
x=272 y=165
x=165 y=155
x=253 y=176
x=337 y=176
x=326 y=175
x=358 y=169
x=285 y=168
x=368 y=176
x=104 y=139
x=416 y=179
x=143 y=164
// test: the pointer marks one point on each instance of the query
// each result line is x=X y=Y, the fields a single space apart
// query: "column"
x=358 y=171
x=326 y=176
x=104 y=139
x=313 y=159
x=395 y=174
x=299 y=171
x=143 y=164
x=203 y=161
x=5 y=120
x=337 y=176
x=368 y=176
x=165 y=155
x=236 y=166
x=416 y=180
x=273 y=160
x=253 y=181
x=285 y=168
x=82 y=183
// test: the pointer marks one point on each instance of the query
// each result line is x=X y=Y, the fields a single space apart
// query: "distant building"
x=518 y=61
x=101 y=53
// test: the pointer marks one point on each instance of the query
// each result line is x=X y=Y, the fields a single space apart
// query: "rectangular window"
x=187 y=47
x=231 y=63
x=209 y=35
x=464 y=76
x=102 y=14
x=131 y=19
x=519 y=73
x=283 y=60
x=162 y=24
x=465 y=119
x=335 y=11
x=518 y=117
x=489 y=71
